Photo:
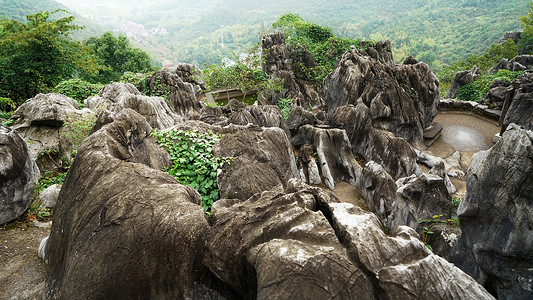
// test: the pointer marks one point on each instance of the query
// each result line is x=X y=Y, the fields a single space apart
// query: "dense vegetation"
x=39 y=55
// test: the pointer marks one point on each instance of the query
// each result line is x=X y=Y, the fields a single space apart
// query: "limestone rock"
x=461 y=79
x=403 y=267
x=497 y=93
x=179 y=87
x=418 y=198
x=333 y=150
x=309 y=172
x=439 y=169
x=46 y=109
x=401 y=99
x=263 y=159
x=513 y=35
x=298 y=117
x=521 y=110
x=262 y=116
x=49 y=196
x=117 y=96
x=18 y=174
x=496 y=216
x=276 y=245
x=121 y=229
x=393 y=153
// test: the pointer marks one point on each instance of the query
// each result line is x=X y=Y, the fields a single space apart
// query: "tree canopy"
x=38 y=54
x=117 y=56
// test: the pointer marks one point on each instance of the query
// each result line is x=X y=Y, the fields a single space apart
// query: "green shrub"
x=468 y=92
x=77 y=89
x=193 y=162
x=6 y=104
x=77 y=128
x=285 y=105
x=137 y=79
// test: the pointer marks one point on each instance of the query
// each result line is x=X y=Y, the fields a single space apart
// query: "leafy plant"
x=320 y=41
x=77 y=89
x=479 y=88
x=7 y=105
x=193 y=162
x=285 y=105
x=456 y=201
x=469 y=92
x=429 y=223
x=77 y=128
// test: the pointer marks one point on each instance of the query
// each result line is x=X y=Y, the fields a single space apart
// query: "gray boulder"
x=49 y=196
x=262 y=116
x=400 y=264
x=46 y=110
x=117 y=96
x=276 y=245
x=497 y=93
x=121 y=229
x=18 y=175
x=496 y=217
x=521 y=110
x=395 y=154
x=333 y=150
x=262 y=159
x=299 y=117
x=461 y=79
x=513 y=35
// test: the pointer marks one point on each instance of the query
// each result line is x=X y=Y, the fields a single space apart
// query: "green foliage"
x=77 y=128
x=244 y=74
x=137 y=79
x=428 y=224
x=320 y=41
x=193 y=162
x=479 y=88
x=6 y=104
x=285 y=105
x=469 y=92
x=117 y=56
x=527 y=20
x=77 y=89
x=35 y=56
x=456 y=201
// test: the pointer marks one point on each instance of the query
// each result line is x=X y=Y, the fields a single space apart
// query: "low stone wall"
x=480 y=109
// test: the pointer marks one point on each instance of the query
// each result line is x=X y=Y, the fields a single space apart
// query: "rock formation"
x=278 y=63
x=262 y=159
x=117 y=96
x=496 y=217
x=18 y=174
x=521 y=110
x=461 y=79
x=121 y=229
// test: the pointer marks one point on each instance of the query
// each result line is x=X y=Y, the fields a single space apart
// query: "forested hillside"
x=438 y=32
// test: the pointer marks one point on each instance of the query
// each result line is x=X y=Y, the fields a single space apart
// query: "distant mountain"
x=200 y=31
x=18 y=9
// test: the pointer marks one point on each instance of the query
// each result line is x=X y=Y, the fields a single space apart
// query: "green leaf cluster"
x=244 y=74
x=77 y=128
x=193 y=162
x=325 y=47
x=117 y=56
x=38 y=54
x=479 y=88
x=77 y=89
x=285 y=105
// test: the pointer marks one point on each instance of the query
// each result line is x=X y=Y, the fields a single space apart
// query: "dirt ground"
x=22 y=273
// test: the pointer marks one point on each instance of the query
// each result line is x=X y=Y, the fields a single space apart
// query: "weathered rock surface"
x=521 y=110
x=513 y=35
x=46 y=110
x=121 y=229
x=262 y=116
x=403 y=267
x=461 y=79
x=18 y=174
x=277 y=245
x=117 y=96
x=48 y=196
x=299 y=117
x=333 y=150
x=393 y=153
x=278 y=63
x=497 y=93
x=263 y=159
x=180 y=87
x=418 y=198
x=401 y=99
x=496 y=217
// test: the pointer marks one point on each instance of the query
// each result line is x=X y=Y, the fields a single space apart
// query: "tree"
x=117 y=56
x=35 y=56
